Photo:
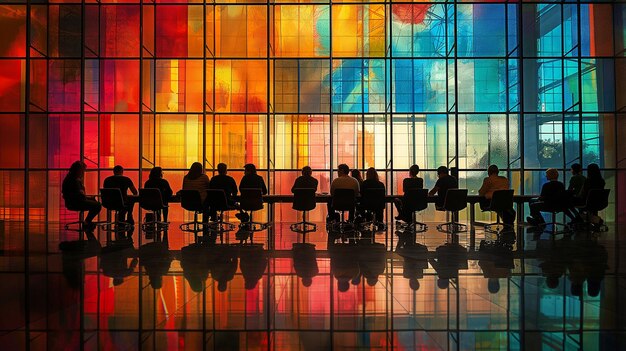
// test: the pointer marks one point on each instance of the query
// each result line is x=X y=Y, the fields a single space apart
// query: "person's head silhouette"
x=493 y=285
x=343 y=285
x=307 y=281
x=443 y=283
x=414 y=284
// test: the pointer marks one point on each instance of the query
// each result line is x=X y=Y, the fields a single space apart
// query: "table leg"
x=472 y=242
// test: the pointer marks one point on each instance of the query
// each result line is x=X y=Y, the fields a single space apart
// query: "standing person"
x=73 y=190
x=343 y=181
x=251 y=180
x=195 y=179
x=156 y=181
x=306 y=180
x=577 y=181
x=552 y=195
x=356 y=174
x=443 y=184
x=373 y=182
x=412 y=182
x=119 y=181
x=223 y=181
x=492 y=183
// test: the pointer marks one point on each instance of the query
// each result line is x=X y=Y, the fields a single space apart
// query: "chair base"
x=452 y=228
x=303 y=227
x=413 y=227
x=114 y=227
x=156 y=226
x=499 y=227
x=80 y=226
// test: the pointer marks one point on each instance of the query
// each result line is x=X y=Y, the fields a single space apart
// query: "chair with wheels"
x=343 y=200
x=251 y=200
x=112 y=200
x=501 y=201
x=218 y=203
x=597 y=200
x=414 y=201
x=455 y=201
x=191 y=200
x=372 y=202
x=150 y=200
x=303 y=200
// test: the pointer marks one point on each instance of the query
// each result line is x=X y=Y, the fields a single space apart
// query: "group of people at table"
x=552 y=192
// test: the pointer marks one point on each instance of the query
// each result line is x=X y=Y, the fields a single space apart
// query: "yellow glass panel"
x=358 y=30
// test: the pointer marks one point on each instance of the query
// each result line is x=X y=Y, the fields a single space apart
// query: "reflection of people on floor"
x=415 y=260
x=225 y=265
x=114 y=263
x=155 y=259
x=449 y=259
x=73 y=258
x=253 y=263
x=588 y=262
x=496 y=260
x=305 y=262
x=553 y=258
x=194 y=260
x=344 y=265
x=371 y=261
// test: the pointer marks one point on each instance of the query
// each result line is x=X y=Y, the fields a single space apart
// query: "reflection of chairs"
x=191 y=200
x=113 y=202
x=218 y=203
x=597 y=200
x=343 y=200
x=554 y=208
x=251 y=200
x=455 y=201
x=373 y=201
x=501 y=201
x=150 y=200
x=303 y=200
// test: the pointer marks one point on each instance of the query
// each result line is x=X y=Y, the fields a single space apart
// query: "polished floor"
x=520 y=291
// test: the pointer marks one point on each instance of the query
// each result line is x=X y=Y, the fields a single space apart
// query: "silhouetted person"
x=222 y=181
x=356 y=174
x=156 y=260
x=194 y=261
x=492 y=183
x=73 y=189
x=444 y=182
x=156 y=181
x=343 y=181
x=196 y=180
x=305 y=262
x=373 y=182
x=594 y=181
x=412 y=182
x=306 y=180
x=114 y=263
x=225 y=266
x=371 y=261
x=552 y=195
x=553 y=258
x=119 y=181
x=577 y=181
x=253 y=262
x=251 y=180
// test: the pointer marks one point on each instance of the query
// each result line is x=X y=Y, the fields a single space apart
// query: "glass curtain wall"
x=284 y=84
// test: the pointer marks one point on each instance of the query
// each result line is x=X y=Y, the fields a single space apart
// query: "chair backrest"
x=501 y=200
x=217 y=200
x=251 y=199
x=415 y=199
x=344 y=200
x=111 y=199
x=597 y=199
x=191 y=200
x=303 y=199
x=373 y=199
x=150 y=199
x=456 y=200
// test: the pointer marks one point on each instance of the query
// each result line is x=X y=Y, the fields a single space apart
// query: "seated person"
x=120 y=181
x=594 y=181
x=306 y=180
x=251 y=180
x=552 y=195
x=156 y=181
x=343 y=181
x=577 y=180
x=372 y=182
x=412 y=182
x=195 y=179
x=492 y=183
x=356 y=174
x=223 y=181
x=73 y=190
x=445 y=182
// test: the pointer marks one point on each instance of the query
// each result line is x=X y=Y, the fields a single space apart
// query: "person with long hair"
x=73 y=190
x=195 y=179
x=372 y=182
x=356 y=174
x=156 y=181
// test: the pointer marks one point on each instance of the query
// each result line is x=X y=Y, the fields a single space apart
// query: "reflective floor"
x=519 y=290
